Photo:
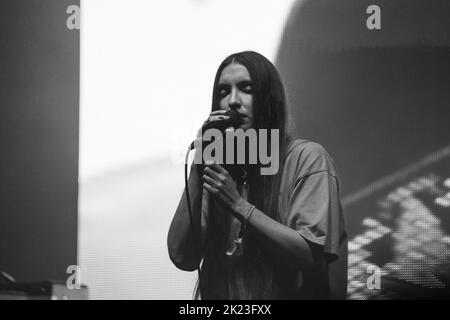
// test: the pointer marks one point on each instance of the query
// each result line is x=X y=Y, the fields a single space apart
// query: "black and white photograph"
x=210 y=150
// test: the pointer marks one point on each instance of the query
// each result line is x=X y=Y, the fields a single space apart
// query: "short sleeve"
x=314 y=208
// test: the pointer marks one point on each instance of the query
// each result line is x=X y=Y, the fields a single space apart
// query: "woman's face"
x=236 y=92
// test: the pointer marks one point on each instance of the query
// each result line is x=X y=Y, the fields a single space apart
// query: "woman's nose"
x=234 y=102
x=234 y=106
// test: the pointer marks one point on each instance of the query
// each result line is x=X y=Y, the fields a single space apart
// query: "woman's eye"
x=223 y=92
x=247 y=89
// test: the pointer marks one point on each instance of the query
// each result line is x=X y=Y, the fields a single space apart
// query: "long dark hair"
x=269 y=112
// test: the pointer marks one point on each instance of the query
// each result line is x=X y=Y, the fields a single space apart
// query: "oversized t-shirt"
x=309 y=203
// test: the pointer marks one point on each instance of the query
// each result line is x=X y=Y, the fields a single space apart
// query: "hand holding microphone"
x=221 y=120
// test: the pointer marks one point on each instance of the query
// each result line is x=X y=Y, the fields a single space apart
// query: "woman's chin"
x=245 y=126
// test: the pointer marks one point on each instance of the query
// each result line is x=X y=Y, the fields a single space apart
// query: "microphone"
x=234 y=120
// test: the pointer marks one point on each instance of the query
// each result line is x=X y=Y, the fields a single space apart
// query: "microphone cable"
x=191 y=219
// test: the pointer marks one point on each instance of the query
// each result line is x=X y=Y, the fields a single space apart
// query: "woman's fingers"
x=218 y=112
x=213 y=174
x=217 y=168
x=210 y=181
x=217 y=118
x=209 y=188
x=217 y=115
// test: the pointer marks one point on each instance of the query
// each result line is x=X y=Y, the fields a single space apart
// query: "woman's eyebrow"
x=222 y=85
x=245 y=82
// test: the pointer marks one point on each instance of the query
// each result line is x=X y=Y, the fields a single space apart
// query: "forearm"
x=183 y=240
x=285 y=243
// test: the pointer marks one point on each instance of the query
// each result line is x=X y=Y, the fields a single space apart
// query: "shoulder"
x=306 y=157
x=307 y=148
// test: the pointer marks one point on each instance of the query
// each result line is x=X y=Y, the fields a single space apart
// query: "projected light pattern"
x=404 y=230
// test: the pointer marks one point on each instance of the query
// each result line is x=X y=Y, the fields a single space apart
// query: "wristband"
x=237 y=249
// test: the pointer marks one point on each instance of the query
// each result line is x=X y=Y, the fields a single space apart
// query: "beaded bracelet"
x=247 y=217
x=237 y=249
